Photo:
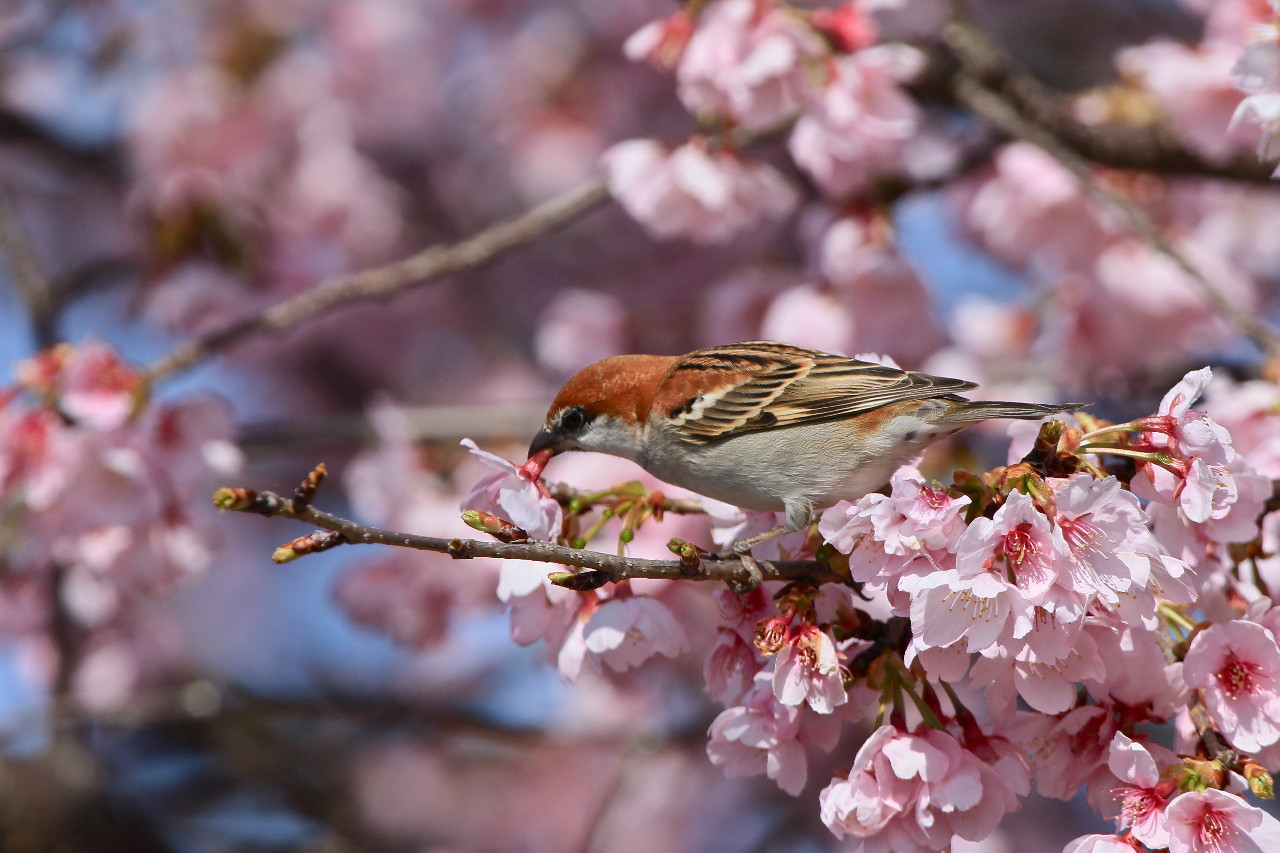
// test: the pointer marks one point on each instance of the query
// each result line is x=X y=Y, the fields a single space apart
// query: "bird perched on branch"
x=763 y=425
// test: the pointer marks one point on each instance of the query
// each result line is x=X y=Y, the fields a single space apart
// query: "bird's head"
x=605 y=408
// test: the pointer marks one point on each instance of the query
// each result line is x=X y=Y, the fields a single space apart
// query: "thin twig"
x=29 y=277
x=996 y=110
x=614 y=568
x=564 y=493
x=468 y=254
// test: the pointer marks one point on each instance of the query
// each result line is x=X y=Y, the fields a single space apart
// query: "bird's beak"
x=544 y=445
x=547 y=440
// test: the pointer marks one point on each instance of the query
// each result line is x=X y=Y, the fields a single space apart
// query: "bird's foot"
x=751 y=575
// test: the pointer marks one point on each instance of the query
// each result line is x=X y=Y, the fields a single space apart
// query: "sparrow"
x=763 y=425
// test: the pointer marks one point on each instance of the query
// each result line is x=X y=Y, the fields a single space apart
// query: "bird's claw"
x=749 y=578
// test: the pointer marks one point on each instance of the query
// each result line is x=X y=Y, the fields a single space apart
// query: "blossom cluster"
x=1027 y=627
x=836 y=83
x=210 y=159
x=760 y=65
x=1257 y=73
x=94 y=481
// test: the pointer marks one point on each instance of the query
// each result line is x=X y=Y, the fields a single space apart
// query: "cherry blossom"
x=399 y=597
x=1146 y=796
x=730 y=667
x=1104 y=530
x=1045 y=680
x=539 y=609
x=892 y=540
x=1237 y=665
x=855 y=132
x=95 y=477
x=513 y=496
x=1068 y=750
x=96 y=388
x=694 y=192
x=1201 y=484
x=1017 y=212
x=624 y=632
x=1019 y=536
x=1008 y=570
x=1212 y=820
x=919 y=518
x=762 y=735
x=1250 y=412
x=752 y=61
x=807 y=670
x=888 y=303
x=1102 y=844
x=1193 y=85
x=1257 y=73
x=1136 y=672
x=916 y=792
x=661 y=42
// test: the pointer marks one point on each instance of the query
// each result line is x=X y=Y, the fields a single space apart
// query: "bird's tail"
x=981 y=410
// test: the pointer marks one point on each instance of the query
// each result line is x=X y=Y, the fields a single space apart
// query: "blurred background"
x=170 y=166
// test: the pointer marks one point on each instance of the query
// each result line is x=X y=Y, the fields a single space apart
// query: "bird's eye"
x=573 y=419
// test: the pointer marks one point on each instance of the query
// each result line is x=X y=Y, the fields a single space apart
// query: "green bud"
x=581 y=582
x=475 y=519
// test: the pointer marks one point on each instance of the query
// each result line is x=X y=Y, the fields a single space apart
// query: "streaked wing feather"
x=768 y=385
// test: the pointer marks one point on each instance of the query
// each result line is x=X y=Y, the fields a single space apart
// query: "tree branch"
x=381 y=282
x=994 y=109
x=1153 y=148
x=607 y=568
x=1024 y=109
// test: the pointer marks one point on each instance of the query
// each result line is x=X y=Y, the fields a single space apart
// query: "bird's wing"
x=717 y=392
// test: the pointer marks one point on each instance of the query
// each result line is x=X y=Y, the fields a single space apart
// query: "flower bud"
x=246 y=500
x=583 y=581
x=498 y=528
x=321 y=540
x=307 y=489
x=1258 y=778
x=1201 y=773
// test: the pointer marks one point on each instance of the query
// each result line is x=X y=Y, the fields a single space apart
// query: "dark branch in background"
x=601 y=568
x=1041 y=125
x=1151 y=148
x=389 y=280
x=27 y=273
x=105 y=161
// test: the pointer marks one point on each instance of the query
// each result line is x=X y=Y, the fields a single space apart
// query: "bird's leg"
x=799 y=516
x=744 y=546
